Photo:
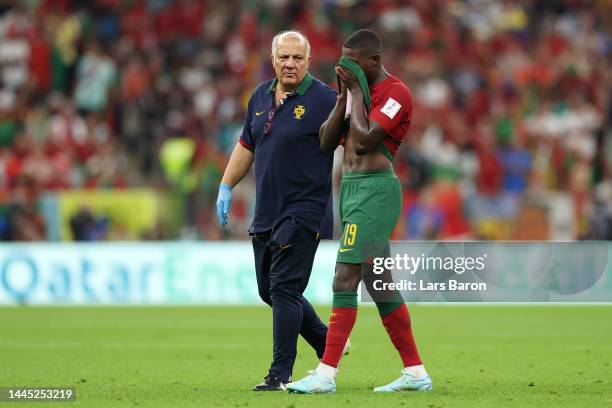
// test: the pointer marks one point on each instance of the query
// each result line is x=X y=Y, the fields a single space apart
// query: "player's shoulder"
x=398 y=88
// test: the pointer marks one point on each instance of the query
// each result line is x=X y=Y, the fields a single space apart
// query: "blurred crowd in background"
x=510 y=137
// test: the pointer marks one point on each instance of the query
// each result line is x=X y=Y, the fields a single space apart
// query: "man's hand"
x=224 y=200
x=342 y=88
x=347 y=78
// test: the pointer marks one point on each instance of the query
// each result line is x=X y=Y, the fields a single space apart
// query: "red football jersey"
x=391 y=108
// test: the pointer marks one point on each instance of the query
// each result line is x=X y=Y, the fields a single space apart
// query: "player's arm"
x=239 y=164
x=366 y=133
x=332 y=129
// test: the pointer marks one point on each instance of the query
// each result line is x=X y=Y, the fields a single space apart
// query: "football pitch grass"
x=544 y=356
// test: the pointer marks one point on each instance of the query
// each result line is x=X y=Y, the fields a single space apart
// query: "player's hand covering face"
x=369 y=62
x=290 y=62
x=347 y=78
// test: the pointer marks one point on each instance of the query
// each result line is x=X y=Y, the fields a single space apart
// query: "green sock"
x=345 y=299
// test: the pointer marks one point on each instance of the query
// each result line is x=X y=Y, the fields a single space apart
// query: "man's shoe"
x=312 y=384
x=407 y=382
x=270 y=384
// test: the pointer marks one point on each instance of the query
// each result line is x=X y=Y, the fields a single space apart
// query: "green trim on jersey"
x=383 y=149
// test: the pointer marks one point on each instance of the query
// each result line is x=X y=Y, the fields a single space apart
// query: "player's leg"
x=386 y=194
x=396 y=320
x=344 y=312
x=341 y=322
x=346 y=277
x=346 y=280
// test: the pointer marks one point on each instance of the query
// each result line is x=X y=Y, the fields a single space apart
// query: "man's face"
x=290 y=62
x=368 y=63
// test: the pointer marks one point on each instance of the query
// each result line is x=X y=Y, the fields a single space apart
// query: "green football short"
x=370 y=204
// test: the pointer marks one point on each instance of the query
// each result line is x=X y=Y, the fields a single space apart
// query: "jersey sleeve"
x=394 y=109
x=246 y=138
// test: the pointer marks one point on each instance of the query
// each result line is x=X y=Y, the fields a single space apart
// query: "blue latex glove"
x=224 y=200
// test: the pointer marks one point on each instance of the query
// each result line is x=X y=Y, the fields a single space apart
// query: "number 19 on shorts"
x=350 y=234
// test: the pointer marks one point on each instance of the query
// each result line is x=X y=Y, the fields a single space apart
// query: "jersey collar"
x=302 y=87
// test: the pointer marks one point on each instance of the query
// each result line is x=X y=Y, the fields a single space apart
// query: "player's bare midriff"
x=352 y=162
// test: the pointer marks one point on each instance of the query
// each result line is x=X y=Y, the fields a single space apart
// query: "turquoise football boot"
x=407 y=382
x=313 y=383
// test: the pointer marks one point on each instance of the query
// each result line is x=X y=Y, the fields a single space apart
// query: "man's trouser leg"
x=283 y=261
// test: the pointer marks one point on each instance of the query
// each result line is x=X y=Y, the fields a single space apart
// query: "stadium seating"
x=510 y=137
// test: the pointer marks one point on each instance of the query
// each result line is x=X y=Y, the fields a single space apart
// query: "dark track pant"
x=283 y=262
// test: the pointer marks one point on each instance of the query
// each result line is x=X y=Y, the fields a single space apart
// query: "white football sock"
x=326 y=371
x=416 y=372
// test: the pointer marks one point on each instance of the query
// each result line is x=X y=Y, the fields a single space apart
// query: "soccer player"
x=293 y=206
x=370 y=203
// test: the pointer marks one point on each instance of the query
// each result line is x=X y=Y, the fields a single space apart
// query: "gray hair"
x=290 y=34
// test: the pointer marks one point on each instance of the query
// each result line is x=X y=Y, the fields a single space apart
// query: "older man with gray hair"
x=293 y=204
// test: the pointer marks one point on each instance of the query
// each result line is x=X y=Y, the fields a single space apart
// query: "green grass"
x=211 y=356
